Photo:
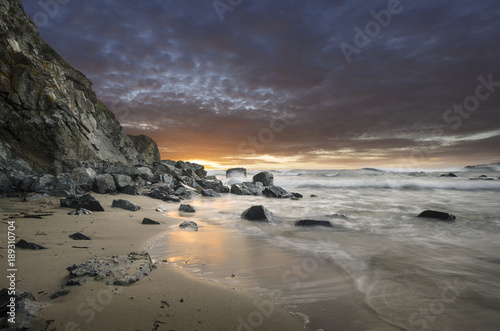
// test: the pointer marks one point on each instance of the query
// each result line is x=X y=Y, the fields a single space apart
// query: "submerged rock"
x=29 y=245
x=247 y=188
x=187 y=208
x=258 y=213
x=451 y=174
x=210 y=193
x=313 y=223
x=266 y=178
x=189 y=225
x=125 y=204
x=236 y=172
x=86 y=201
x=437 y=215
x=276 y=192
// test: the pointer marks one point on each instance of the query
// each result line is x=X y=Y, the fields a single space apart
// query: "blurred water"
x=378 y=267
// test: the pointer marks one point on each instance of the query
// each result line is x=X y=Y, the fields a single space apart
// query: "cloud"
x=173 y=70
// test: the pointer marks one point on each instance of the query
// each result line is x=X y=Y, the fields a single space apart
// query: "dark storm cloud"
x=173 y=69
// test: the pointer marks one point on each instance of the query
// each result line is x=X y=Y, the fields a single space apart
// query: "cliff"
x=50 y=118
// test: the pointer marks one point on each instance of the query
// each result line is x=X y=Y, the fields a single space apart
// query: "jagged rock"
x=236 y=172
x=149 y=221
x=266 y=178
x=76 y=282
x=83 y=175
x=297 y=195
x=145 y=173
x=437 y=215
x=36 y=196
x=313 y=223
x=86 y=201
x=79 y=236
x=104 y=183
x=167 y=179
x=130 y=190
x=258 y=213
x=210 y=193
x=172 y=198
x=25 y=309
x=191 y=169
x=44 y=183
x=5 y=183
x=115 y=270
x=125 y=204
x=276 y=192
x=185 y=192
x=451 y=174
x=81 y=211
x=44 y=97
x=247 y=188
x=187 y=209
x=28 y=245
x=189 y=225
x=215 y=185
x=147 y=147
x=122 y=181
x=62 y=292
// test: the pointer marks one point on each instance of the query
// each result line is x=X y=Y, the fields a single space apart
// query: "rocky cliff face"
x=147 y=148
x=50 y=118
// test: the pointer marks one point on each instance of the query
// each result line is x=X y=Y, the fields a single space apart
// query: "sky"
x=292 y=84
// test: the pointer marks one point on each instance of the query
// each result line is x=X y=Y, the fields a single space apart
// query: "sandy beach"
x=166 y=299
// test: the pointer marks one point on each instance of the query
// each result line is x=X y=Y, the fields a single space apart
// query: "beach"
x=166 y=299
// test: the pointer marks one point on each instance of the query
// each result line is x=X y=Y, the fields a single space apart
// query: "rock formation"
x=50 y=118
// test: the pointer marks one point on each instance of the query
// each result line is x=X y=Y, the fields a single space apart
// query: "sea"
x=379 y=267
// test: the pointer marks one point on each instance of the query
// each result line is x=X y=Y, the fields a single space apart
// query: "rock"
x=76 y=282
x=60 y=293
x=130 y=190
x=189 y=225
x=125 y=204
x=191 y=169
x=215 y=185
x=81 y=211
x=60 y=193
x=451 y=174
x=236 y=172
x=122 y=181
x=187 y=209
x=168 y=179
x=83 y=175
x=247 y=188
x=172 y=198
x=51 y=114
x=276 y=192
x=211 y=178
x=64 y=183
x=86 y=201
x=437 y=215
x=297 y=195
x=147 y=147
x=266 y=178
x=145 y=173
x=79 y=236
x=149 y=221
x=258 y=213
x=116 y=270
x=44 y=184
x=161 y=209
x=313 y=223
x=5 y=183
x=104 y=183
x=210 y=193
x=28 y=245
x=36 y=196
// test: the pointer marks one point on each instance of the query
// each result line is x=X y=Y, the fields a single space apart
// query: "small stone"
x=189 y=225
x=79 y=236
x=313 y=223
x=149 y=221
x=187 y=208
x=125 y=204
x=28 y=245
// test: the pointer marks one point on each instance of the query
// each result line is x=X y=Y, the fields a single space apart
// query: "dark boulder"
x=28 y=245
x=313 y=223
x=79 y=236
x=189 y=225
x=247 y=188
x=437 y=215
x=297 y=195
x=276 y=192
x=187 y=209
x=149 y=221
x=86 y=201
x=451 y=174
x=147 y=147
x=104 y=183
x=210 y=193
x=266 y=178
x=258 y=213
x=125 y=204
x=130 y=190
x=122 y=181
x=236 y=172
x=215 y=185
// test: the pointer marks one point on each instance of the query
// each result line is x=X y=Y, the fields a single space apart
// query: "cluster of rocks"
x=481 y=177
x=261 y=184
